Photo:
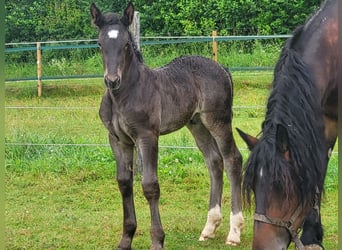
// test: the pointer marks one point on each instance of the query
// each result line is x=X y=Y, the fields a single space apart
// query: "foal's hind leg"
x=124 y=175
x=220 y=128
x=214 y=162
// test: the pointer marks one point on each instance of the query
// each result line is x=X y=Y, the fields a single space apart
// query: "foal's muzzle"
x=112 y=82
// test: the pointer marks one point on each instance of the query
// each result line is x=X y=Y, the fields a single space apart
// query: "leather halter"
x=289 y=224
x=286 y=224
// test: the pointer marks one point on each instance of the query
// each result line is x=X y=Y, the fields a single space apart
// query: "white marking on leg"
x=213 y=221
x=261 y=172
x=236 y=224
x=113 y=34
x=329 y=152
x=313 y=247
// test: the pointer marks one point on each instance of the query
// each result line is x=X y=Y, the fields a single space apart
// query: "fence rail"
x=144 y=41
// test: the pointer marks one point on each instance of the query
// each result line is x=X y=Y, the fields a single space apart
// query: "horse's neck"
x=321 y=56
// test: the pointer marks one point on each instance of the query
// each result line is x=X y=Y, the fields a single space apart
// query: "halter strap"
x=289 y=224
x=285 y=224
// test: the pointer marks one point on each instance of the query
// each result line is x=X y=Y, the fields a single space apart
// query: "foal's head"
x=116 y=43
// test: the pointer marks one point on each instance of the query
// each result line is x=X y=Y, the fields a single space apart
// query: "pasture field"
x=61 y=191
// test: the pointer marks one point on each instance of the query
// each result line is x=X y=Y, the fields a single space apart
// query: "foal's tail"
x=231 y=82
x=229 y=74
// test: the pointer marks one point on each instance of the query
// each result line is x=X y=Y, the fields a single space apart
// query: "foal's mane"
x=293 y=104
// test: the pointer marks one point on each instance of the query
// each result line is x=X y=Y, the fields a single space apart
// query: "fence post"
x=135 y=29
x=39 y=69
x=214 y=35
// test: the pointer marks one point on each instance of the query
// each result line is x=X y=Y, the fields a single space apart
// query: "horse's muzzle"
x=112 y=82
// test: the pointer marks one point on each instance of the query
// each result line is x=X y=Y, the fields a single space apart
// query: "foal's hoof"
x=125 y=244
x=205 y=237
x=232 y=243
x=313 y=247
x=236 y=225
x=156 y=247
x=214 y=219
x=233 y=238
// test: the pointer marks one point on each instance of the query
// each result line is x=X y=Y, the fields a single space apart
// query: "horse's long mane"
x=293 y=104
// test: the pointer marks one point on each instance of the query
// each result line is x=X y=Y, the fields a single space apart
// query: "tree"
x=41 y=20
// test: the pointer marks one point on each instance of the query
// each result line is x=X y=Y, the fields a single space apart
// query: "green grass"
x=66 y=197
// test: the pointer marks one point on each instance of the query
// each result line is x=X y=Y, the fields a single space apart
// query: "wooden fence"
x=135 y=29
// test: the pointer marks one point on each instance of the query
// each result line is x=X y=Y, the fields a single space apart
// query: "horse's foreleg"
x=124 y=162
x=312 y=229
x=312 y=235
x=330 y=132
x=148 y=148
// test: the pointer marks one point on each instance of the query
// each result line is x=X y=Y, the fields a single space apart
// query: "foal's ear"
x=282 y=141
x=96 y=15
x=249 y=140
x=128 y=15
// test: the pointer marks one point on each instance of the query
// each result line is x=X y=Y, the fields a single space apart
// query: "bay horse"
x=140 y=104
x=287 y=164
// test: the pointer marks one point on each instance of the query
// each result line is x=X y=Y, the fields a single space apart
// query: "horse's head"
x=115 y=42
x=280 y=204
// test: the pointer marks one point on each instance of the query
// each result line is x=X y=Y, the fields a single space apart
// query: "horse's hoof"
x=313 y=247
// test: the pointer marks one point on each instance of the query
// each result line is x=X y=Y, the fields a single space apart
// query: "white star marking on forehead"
x=113 y=34
x=261 y=172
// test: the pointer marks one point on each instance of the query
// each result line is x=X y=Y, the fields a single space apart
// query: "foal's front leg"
x=148 y=148
x=124 y=175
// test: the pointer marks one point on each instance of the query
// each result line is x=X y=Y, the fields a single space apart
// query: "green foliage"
x=280 y=17
x=44 y=20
